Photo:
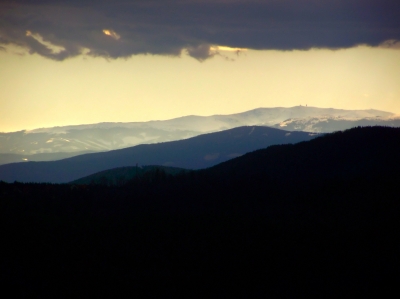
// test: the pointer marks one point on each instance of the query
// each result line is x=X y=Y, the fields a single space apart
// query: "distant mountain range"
x=331 y=124
x=12 y=158
x=110 y=136
x=193 y=153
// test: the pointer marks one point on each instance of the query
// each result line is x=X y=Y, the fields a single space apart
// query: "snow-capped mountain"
x=110 y=136
x=327 y=124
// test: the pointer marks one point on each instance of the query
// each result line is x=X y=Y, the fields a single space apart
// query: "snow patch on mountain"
x=109 y=136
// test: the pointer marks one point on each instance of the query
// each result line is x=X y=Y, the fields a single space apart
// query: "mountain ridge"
x=194 y=153
x=374 y=112
x=108 y=136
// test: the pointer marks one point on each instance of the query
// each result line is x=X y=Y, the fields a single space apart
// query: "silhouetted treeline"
x=317 y=218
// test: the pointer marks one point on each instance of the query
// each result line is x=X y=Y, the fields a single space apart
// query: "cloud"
x=111 y=33
x=53 y=48
x=390 y=44
x=202 y=28
x=201 y=52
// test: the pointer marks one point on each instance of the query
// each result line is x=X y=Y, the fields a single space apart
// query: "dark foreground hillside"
x=121 y=175
x=319 y=218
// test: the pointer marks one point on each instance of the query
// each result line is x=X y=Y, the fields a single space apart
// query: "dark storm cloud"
x=200 y=52
x=60 y=29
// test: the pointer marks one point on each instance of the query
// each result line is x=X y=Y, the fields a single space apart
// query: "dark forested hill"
x=317 y=219
x=360 y=158
x=368 y=152
x=193 y=153
x=121 y=175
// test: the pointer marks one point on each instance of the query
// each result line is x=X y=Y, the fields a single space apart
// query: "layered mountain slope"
x=110 y=136
x=316 y=218
x=12 y=158
x=193 y=153
x=343 y=176
x=330 y=124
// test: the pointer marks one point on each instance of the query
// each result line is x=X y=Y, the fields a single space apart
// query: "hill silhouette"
x=120 y=176
x=368 y=155
x=193 y=153
x=317 y=218
x=367 y=151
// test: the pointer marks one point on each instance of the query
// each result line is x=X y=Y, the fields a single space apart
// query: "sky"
x=79 y=62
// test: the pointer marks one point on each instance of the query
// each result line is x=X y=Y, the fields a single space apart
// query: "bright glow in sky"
x=37 y=92
x=111 y=33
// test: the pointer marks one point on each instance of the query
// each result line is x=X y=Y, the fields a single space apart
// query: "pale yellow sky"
x=36 y=92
